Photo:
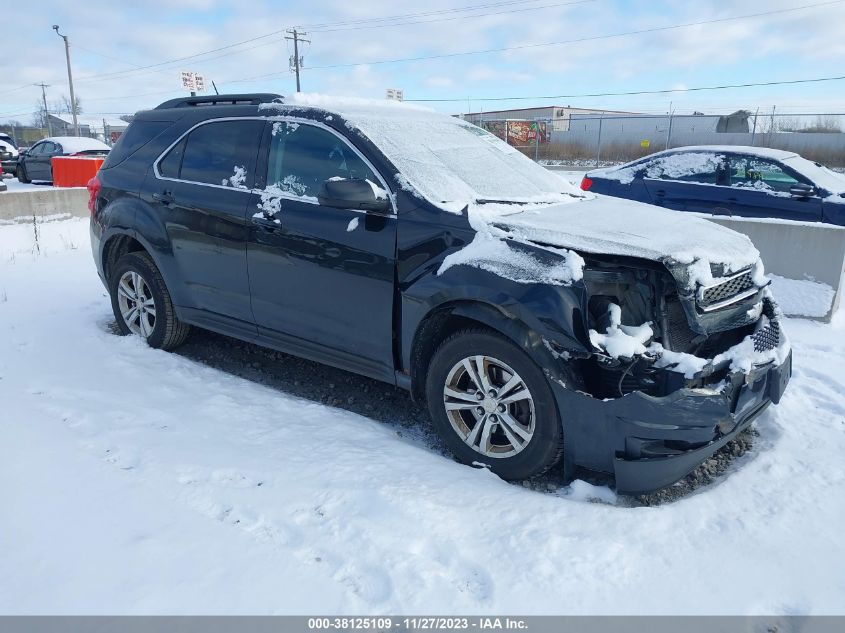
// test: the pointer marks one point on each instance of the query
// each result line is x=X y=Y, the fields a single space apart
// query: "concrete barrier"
x=796 y=250
x=43 y=202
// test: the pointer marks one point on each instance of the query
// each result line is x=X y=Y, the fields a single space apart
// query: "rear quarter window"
x=138 y=134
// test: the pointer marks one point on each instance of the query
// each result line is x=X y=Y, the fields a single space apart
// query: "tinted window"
x=303 y=156
x=138 y=134
x=36 y=150
x=757 y=173
x=170 y=164
x=218 y=153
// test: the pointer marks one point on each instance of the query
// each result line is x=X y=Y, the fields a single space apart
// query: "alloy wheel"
x=136 y=303
x=489 y=406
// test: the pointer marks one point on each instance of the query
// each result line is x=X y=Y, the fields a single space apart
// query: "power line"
x=637 y=92
x=454 y=17
x=416 y=15
x=655 y=29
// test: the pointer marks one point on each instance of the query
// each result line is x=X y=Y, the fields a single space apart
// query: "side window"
x=694 y=167
x=36 y=150
x=749 y=172
x=171 y=164
x=303 y=156
x=220 y=153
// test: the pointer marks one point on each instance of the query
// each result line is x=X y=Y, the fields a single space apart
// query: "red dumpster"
x=74 y=171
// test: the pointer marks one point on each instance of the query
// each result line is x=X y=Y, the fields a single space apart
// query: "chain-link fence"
x=614 y=138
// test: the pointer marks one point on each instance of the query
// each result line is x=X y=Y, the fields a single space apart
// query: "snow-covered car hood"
x=615 y=226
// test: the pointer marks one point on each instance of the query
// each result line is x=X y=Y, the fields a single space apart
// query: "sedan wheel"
x=137 y=306
x=489 y=406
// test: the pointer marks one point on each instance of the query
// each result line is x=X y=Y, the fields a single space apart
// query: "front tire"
x=21 y=174
x=492 y=405
x=142 y=304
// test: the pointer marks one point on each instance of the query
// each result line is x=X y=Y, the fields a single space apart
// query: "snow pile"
x=353 y=224
x=802 y=297
x=625 y=342
x=622 y=341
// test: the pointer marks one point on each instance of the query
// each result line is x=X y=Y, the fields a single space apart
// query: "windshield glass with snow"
x=449 y=160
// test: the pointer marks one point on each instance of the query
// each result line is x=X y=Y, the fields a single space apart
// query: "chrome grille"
x=727 y=289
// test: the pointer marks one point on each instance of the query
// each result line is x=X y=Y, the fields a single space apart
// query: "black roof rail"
x=212 y=100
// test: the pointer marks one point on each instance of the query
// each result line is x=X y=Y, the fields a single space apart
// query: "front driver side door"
x=322 y=278
x=38 y=161
x=760 y=188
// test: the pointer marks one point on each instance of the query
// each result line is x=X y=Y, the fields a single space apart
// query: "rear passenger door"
x=200 y=188
x=687 y=182
x=322 y=278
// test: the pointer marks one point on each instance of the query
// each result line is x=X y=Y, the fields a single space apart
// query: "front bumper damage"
x=649 y=442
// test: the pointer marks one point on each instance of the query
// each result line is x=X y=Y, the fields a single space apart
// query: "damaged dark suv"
x=539 y=323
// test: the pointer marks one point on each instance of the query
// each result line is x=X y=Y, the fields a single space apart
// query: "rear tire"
x=513 y=427
x=142 y=304
x=21 y=173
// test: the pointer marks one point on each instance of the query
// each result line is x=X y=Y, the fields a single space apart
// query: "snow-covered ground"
x=13 y=184
x=137 y=481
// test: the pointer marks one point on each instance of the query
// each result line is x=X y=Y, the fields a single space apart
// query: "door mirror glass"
x=800 y=190
x=353 y=193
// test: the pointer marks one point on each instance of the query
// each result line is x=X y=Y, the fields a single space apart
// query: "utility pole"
x=69 y=80
x=297 y=61
x=46 y=112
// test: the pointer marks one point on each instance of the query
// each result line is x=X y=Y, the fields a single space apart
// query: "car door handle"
x=268 y=224
x=660 y=192
x=165 y=197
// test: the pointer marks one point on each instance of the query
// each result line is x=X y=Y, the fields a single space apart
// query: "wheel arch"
x=447 y=318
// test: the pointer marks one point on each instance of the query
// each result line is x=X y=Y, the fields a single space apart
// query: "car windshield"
x=449 y=160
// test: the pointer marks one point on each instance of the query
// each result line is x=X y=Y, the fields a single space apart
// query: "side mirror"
x=800 y=190
x=353 y=193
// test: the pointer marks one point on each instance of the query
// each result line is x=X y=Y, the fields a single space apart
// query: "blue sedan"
x=730 y=180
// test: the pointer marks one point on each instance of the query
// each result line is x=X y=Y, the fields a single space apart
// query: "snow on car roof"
x=77 y=143
x=763 y=152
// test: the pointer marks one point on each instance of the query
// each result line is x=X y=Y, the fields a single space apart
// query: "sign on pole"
x=192 y=82
x=395 y=94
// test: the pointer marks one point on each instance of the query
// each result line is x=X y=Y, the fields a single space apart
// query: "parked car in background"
x=417 y=249
x=35 y=163
x=8 y=154
x=745 y=181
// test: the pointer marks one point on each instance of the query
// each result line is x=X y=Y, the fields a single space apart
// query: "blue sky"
x=110 y=41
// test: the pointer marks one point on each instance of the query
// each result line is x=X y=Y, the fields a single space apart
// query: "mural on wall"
x=518 y=132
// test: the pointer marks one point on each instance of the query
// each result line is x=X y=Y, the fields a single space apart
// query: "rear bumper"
x=10 y=166
x=651 y=442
